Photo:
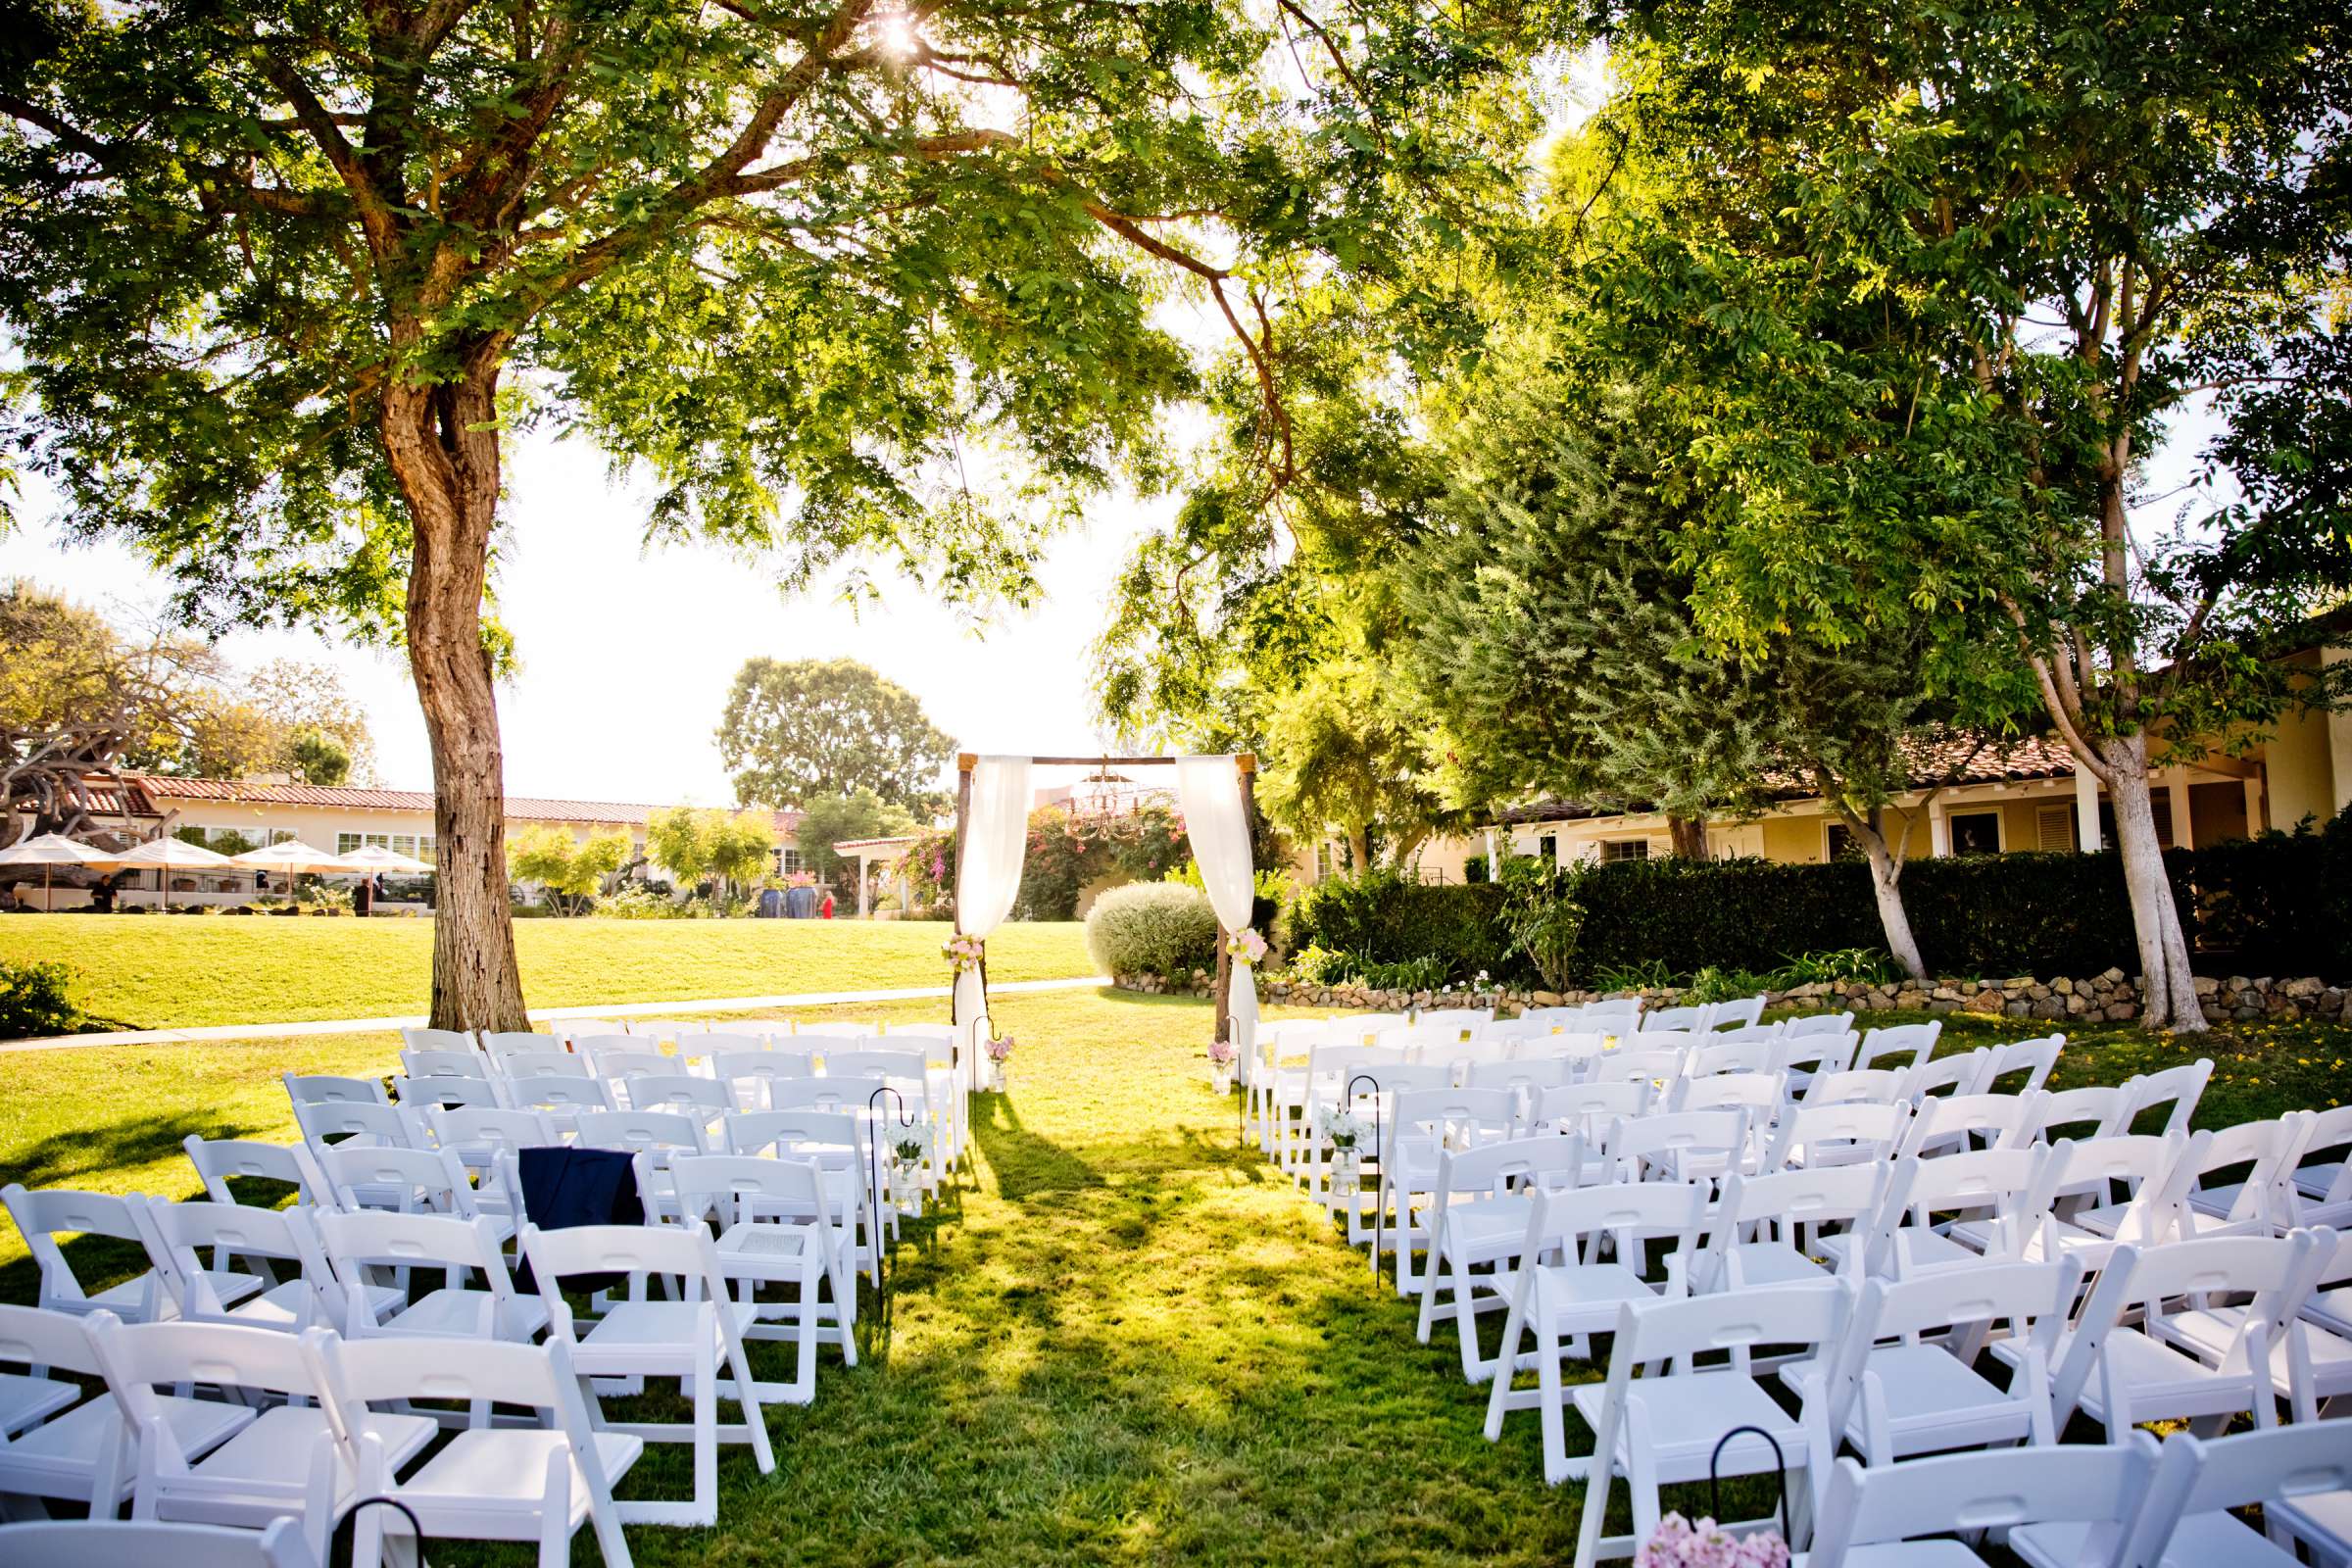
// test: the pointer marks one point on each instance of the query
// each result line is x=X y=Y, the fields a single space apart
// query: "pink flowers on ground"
x=1677 y=1543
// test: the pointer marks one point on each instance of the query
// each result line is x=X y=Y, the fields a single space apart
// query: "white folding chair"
x=1680 y=1146
x=113 y=1544
x=688 y=1093
x=1823 y=1042
x=1420 y=1126
x=1995 y=1191
x=427 y=1094
x=1479 y=1211
x=1619 y=1016
x=329 y=1089
x=661 y=1134
x=537 y=1483
x=1559 y=1305
x=1868 y=1515
x=1946 y=1124
x=285 y=1462
x=1944 y=1075
x=1691 y=1018
x=1669 y=1427
x=57 y=1444
x=43 y=1216
x=638 y=1338
x=355 y=1124
x=2187 y=1523
x=217 y=1159
x=362 y=1246
x=841 y=1145
x=1757 y=1054
x=1880 y=1086
x=1768 y=1229
x=454 y=1062
x=2122 y=1373
x=1815 y=1137
x=747 y=1073
x=2151 y=1170
x=176 y=1234
x=2311 y=1356
x=779 y=1225
x=2078 y=1113
x=499 y=1044
x=2175 y=1092
x=1905 y=1378
x=1746 y=1013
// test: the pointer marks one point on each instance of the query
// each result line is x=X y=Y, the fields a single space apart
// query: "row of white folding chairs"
x=242 y=1460
x=1891 y=1367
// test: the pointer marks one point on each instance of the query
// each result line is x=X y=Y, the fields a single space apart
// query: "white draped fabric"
x=1215 y=820
x=988 y=877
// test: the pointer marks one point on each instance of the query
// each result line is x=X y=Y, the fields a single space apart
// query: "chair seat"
x=456 y=1314
x=1920 y=1251
x=1589 y=1293
x=485 y=1469
x=2208 y=1336
x=2201 y=1541
x=2164 y=1382
x=2332 y=1310
x=2316 y=1181
x=64 y=1451
x=128 y=1300
x=281 y=1306
x=1768 y=1263
x=654 y=1325
x=2323 y=1518
x=277 y=1445
x=1487 y=1223
x=763 y=1239
x=26 y=1399
x=1931 y=1393
x=1687 y=1414
x=1903 y=1554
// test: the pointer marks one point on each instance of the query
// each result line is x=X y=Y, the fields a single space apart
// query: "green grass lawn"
x=155 y=972
x=1126 y=1342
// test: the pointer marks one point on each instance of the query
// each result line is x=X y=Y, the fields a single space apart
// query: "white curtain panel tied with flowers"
x=1217 y=821
x=988 y=877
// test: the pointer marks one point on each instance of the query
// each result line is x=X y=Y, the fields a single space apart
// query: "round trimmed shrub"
x=1155 y=928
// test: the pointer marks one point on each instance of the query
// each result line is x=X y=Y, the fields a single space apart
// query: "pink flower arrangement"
x=1677 y=1543
x=1245 y=945
x=963 y=951
x=999 y=1050
x=1220 y=1051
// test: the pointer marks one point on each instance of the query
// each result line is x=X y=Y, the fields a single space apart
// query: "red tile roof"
x=520 y=808
x=1944 y=759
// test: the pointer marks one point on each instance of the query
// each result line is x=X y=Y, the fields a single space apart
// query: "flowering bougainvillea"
x=1065 y=854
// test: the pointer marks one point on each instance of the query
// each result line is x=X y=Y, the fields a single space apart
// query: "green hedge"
x=1159 y=928
x=1384 y=918
x=2278 y=904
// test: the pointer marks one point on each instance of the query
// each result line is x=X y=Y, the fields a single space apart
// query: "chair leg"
x=1465 y=1319
x=706 y=1426
x=555 y=1512
x=1551 y=1405
x=1428 y=1317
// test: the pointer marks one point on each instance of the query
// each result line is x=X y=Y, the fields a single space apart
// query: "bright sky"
x=628 y=653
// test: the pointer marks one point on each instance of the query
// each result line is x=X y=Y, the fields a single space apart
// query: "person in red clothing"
x=826 y=908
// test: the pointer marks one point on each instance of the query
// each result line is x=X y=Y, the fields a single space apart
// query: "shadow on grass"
x=1025 y=1163
x=56 y=1160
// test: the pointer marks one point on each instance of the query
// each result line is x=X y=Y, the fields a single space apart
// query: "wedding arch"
x=1218 y=796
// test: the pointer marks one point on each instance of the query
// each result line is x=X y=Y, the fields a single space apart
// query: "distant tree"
x=302 y=697
x=569 y=869
x=799 y=730
x=320 y=758
x=679 y=841
x=741 y=846
x=1345 y=754
x=830 y=819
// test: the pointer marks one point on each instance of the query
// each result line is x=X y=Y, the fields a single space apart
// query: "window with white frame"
x=1976 y=832
x=345 y=843
x=1624 y=850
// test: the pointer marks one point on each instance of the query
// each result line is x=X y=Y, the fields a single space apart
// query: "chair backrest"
x=2098 y=1111
x=1629 y=1212
x=560 y=1094
x=1474 y=1115
x=1822 y=1051
x=827 y=1043
x=795 y=1132
x=725 y=1041
x=1364 y=1028
x=419 y=1063
x=1590 y=1109
x=2005 y=1185
x=2034 y=1057
x=1955 y=1074
x=1745 y=1013
x=1610 y=1016
x=1577 y=1046
x=470 y=1131
x=353 y=1122
x=1819 y=1134
x=138 y=1357
x=730 y=1187
x=415 y=1093
x=636 y=1130
x=1519 y=1072
x=685 y=1250
x=2205 y=1475
x=1643 y=1139
x=874 y=1062
x=578 y=1031
x=1758 y=1053
x=1837 y=1195
x=521 y=1066
x=501 y=1043
x=424 y=1180
x=744 y=1069
x=1942 y=1124
x=358 y=1241
x=459 y=1041
x=2099 y=1486
x=2266 y=1200
x=1690 y=1018
x=535 y=1377
x=830 y=1093
x=2330 y=1139
x=1661 y=1064
x=619 y=1066
x=1391 y=1078
x=683 y=1093
x=1508 y=1164
x=1547 y=1019
x=217 y=1158
x=1759 y=1091
x=2176 y=1088
x=1894 y=1041
x=142 y=1543
x=30 y=1336
x=1872 y=1086
x=1957 y=1308
x=2139 y=1163
x=1820 y=1023
x=1682 y=1331
x=321 y=1088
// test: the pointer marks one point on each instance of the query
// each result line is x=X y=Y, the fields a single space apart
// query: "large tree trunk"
x=1885 y=885
x=442 y=442
x=2172 y=988
x=1359 y=848
x=1689 y=837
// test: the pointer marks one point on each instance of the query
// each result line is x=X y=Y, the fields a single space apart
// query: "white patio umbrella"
x=167 y=856
x=289 y=859
x=373 y=858
x=51 y=850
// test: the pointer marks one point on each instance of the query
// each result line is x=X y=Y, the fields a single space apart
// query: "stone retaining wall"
x=2111 y=996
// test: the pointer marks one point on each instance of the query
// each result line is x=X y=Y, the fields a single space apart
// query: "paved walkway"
x=618 y=1010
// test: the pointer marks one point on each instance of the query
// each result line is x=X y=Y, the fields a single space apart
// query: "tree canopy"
x=830 y=819
x=800 y=731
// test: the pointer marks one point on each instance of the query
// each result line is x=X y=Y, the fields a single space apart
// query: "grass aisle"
x=1136 y=1343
